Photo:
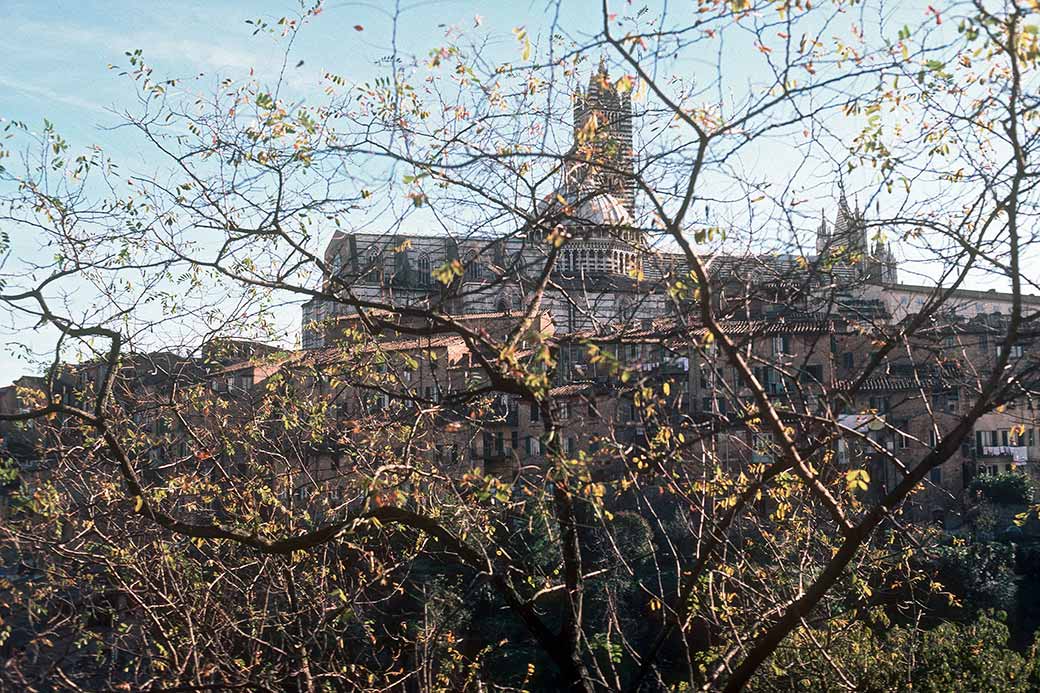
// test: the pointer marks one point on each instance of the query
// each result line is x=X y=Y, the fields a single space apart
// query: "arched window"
x=473 y=269
x=375 y=265
x=424 y=270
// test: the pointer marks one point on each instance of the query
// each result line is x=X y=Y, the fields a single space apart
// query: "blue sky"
x=58 y=52
x=57 y=57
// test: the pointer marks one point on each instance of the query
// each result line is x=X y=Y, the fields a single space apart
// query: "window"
x=781 y=345
x=848 y=359
x=762 y=446
x=473 y=269
x=935 y=475
x=770 y=379
x=979 y=442
x=1004 y=438
x=813 y=373
x=879 y=404
x=1031 y=437
x=946 y=401
x=536 y=413
x=514 y=440
x=1015 y=352
x=572 y=447
x=902 y=438
x=424 y=270
x=375 y=265
x=994 y=440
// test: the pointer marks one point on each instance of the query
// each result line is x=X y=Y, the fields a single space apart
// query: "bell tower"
x=603 y=150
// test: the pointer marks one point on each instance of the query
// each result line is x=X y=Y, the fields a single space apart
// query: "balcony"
x=1015 y=452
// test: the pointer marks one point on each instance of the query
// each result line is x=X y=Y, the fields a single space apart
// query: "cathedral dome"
x=583 y=209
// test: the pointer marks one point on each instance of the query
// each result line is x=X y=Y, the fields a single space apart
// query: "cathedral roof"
x=582 y=208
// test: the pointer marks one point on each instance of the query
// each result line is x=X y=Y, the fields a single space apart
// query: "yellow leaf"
x=640 y=92
x=138 y=504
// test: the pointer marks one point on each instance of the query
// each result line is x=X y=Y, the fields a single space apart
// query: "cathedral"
x=606 y=271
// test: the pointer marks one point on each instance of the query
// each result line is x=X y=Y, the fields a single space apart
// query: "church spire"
x=609 y=142
x=823 y=239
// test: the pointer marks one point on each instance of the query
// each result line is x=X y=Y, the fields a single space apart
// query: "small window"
x=880 y=404
x=811 y=374
x=935 y=475
x=424 y=270
x=849 y=359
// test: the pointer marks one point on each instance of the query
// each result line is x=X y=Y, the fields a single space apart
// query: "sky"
x=58 y=52
x=58 y=57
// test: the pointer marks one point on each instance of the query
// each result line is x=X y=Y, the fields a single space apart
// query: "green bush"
x=952 y=656
x=981 y=575
x=1008 y=488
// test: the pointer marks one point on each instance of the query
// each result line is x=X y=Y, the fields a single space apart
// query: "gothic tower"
x=603 y=136
x=849 y=241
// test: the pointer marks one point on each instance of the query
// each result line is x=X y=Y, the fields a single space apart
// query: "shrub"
x=1008 y=488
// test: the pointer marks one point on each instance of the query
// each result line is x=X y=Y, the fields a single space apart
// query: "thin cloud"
x=158 y=47
x=52 y=95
